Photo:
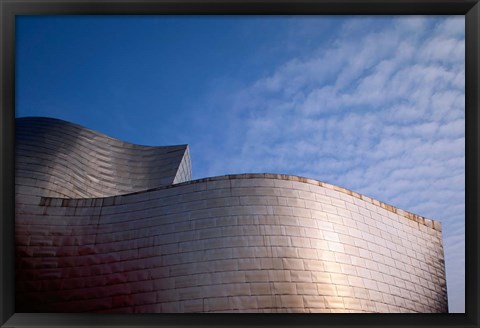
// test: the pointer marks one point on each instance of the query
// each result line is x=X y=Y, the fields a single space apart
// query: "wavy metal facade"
x=105 y=226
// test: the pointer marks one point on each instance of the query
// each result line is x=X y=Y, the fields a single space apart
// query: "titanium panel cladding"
x=101 y=227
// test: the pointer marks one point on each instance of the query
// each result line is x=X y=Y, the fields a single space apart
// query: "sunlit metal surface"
x=238 y=243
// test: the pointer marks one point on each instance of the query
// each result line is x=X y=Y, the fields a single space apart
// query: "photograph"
x=240 y=164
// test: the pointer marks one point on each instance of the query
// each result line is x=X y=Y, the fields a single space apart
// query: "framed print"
x=249 y=163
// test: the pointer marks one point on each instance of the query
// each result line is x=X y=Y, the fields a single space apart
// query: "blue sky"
x=372 y=104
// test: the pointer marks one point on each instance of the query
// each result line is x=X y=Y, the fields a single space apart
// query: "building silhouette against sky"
x=107 y=226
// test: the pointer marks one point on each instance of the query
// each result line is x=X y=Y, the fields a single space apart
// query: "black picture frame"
x=9 y=9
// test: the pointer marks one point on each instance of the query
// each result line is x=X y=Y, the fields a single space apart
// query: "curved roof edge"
x=433 y=224
x=84 y=128
x=59 y=158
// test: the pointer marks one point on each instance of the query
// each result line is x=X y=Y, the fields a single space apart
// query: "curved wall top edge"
x=57 y=158
x=99 y=134
x=433 y=224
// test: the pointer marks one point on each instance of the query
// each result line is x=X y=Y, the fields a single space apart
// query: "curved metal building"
x=106 y=226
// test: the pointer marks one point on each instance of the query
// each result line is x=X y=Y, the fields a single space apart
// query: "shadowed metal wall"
x=247 y=243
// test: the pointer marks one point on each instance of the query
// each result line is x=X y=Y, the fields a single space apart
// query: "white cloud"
x=443 y=50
